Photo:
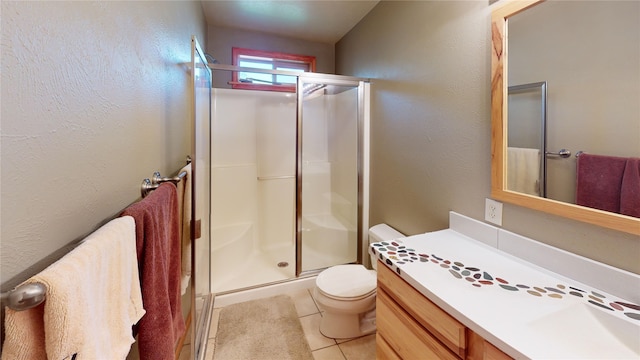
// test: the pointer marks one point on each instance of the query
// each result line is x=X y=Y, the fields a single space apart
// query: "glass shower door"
x=329 y=177
x=201 y=302
x=252 y=187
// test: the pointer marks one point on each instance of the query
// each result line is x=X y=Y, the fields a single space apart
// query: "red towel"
x=158 y=250
x=599 y=179
x=630 y=191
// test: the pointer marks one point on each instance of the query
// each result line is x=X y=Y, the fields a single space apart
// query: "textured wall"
x=94 y=99
x=594 y=111
x=430 y=131
x=430 y=67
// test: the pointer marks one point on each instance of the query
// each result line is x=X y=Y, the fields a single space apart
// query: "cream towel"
x=93 y=298
x=185 y=211
x=523 y=170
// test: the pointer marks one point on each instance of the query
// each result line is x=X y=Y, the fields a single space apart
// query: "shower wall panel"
x=276 y=144
x=253 y=183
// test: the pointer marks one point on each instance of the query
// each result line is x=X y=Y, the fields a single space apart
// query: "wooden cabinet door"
x=404 y=335
x=384 y=350
x=480 y=349
x=441 y=325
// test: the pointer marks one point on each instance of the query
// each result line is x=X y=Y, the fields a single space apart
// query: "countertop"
x=523 y=309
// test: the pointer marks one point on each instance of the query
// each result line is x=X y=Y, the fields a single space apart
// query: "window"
x=269 y=60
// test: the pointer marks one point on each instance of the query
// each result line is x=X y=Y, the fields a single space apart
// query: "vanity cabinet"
x=410 y=326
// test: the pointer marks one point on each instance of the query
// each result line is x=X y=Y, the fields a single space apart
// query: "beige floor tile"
x=311 y=328
x=363 y=348
x=199 y=306
x=314 y=300
x=185 y=353
x=213 y=327
x=304 y=302
x=208 y=355
x=328 y=353
x=340 y=341
x=187 y=337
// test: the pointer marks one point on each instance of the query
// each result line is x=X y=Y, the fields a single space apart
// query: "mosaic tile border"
x=397 y=254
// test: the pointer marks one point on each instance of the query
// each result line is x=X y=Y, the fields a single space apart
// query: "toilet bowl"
x=347 y=294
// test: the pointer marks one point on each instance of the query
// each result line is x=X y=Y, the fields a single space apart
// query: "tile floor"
x=323 y=348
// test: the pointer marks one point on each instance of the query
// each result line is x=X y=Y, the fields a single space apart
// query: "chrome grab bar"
x=276 y=177
x=563 y=153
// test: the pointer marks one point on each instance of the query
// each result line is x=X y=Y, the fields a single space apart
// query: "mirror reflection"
x=574 y=90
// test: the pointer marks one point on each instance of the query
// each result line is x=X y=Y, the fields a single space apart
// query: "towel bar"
x=564 y=153
x=25 y=296
x=150 y=185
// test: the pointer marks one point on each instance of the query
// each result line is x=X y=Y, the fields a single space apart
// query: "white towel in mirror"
x=523 y=170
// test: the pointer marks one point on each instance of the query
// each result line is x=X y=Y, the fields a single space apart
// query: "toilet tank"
x=382 y=232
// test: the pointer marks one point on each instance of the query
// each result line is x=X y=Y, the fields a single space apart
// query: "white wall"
x=95 y=97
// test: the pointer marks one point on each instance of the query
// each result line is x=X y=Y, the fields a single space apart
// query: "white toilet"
x=347 y=293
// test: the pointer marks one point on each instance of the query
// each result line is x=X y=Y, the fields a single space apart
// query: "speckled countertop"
x=523 y=309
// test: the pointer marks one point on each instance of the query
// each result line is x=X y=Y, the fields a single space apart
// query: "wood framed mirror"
x=501 y=12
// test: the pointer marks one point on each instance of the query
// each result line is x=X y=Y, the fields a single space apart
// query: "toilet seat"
x=346 y=282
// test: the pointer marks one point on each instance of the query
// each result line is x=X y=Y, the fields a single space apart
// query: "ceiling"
x=325 y=21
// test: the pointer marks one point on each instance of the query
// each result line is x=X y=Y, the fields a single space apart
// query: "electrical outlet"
x=493 y=212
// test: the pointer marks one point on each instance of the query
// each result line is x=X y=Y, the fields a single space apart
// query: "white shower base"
x=239 y=263
x=264 y=291
x=257 y=267
x=261 y=267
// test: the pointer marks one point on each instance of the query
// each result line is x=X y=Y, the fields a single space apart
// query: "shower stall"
x=289 y=180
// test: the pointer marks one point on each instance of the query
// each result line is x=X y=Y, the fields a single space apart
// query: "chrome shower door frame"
x=362 y=159
x=362 y=85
